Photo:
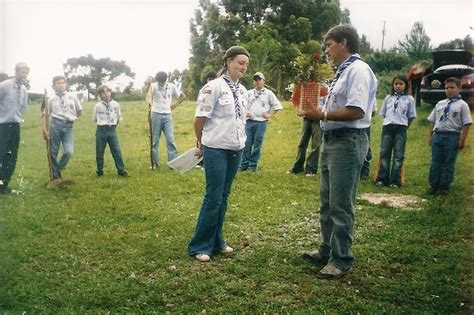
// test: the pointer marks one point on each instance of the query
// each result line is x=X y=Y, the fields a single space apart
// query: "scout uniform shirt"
x=225 y=124
x=261 y=102
x=107 y=114
x=398 y=109
x=162 y=97
x=457 y=116
x=64 y=106
x=356 y=87
x=13 y=101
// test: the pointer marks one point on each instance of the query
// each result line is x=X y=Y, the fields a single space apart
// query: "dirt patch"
x=407 y=202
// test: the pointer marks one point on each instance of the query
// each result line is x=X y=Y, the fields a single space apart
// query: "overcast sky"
x=153 y=35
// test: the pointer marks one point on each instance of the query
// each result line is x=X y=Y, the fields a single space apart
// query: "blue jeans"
x=343 y=153
x=60 y=132
x=394 y=138
x=220 y=167
x=104 y=135
x=162 y=123
x=444 y=150
x=368 y=158
x=255 y=131
x=309 y=130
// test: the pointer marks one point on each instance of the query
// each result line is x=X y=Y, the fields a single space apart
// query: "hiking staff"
x=149 y=100
x=45 y=117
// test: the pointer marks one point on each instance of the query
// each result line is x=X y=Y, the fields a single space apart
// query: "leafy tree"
x=364 y=46
x=387 y=61
x=458 y=43
x=416 y=44
x=87 y=73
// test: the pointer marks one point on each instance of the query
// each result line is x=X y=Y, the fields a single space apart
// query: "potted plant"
x=311 y=74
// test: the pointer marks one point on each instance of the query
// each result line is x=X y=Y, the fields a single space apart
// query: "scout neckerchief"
x=257 y=94
x=62 y=102
x=446 y=109
x=162 y=94
x=339 y=71
x=398 y=95
x=107 y=107
x=234 y=87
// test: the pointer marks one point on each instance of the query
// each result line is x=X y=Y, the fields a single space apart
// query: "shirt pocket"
x=226 y=106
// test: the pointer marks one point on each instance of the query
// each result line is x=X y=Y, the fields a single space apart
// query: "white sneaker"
x=227 y=250
x=203 y=257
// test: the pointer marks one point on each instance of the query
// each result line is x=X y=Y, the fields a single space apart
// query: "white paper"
x=185 y=161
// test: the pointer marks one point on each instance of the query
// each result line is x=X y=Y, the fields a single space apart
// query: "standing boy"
x=263 y=105
x=449 y=124
x=106 y=116
x=13 y=103
x=63 y=108
x=163 y=94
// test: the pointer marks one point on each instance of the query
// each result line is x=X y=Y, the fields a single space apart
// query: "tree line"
x=275 y=32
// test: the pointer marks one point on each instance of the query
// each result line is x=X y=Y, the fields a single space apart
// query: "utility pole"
x=383 y=35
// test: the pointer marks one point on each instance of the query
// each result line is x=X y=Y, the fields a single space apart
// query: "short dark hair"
x=102 y=88
x=161 y=76
x=453 y=80
x=403 y=78
x=347 y=32
x=59 y=77
x=211 y=75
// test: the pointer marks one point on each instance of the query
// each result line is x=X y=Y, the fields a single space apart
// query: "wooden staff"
x=45 y=116
x=149 y=100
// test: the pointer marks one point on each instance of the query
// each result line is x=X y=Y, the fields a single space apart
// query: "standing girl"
x=219 y=125
x=398 y=111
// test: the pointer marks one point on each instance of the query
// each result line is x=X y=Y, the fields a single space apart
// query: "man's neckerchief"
x=339 y=71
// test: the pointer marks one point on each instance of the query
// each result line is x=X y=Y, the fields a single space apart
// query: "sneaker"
x=203 y=257
x=292 y=171
x=154 y=167
x=331 y=272
x=226 y=250
x=394 y=186
x=379 y=184
x=315 y=257
x=309 y=174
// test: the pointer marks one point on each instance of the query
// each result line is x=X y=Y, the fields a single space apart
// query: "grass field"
x=115 y=244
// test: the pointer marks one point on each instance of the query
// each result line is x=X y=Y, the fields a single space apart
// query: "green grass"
x=115 y=244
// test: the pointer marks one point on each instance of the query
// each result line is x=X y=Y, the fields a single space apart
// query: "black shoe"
x=292 y=171
x=432 y=191
x=315 y=257
x=100 y=173
x=124 y=174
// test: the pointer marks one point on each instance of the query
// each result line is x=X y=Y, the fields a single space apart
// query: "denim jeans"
x=394 y=138
x=444 y=150
x=60 y=132
x=310 y=130
x=104 y=135
x=9 y=142
x=341 y=162
x=255 y=131
x=368 y=158
x=162 y=123
x=220 y=168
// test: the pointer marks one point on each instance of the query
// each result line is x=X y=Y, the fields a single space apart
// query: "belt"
x=63 y=121
x=163 y=113
x=106 y=126
x=343 y=132
x=439 y=132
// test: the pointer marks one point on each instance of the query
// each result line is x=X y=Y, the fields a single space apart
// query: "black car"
x=446 y=64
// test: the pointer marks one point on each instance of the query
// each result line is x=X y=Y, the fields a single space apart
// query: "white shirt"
x=222 y=130
x=13 y=101
x=458 y=116
x=405 y=110
x=163 y=96
x=262 y=102
x=107 y=114
x=356 y=87
x=64 y=106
